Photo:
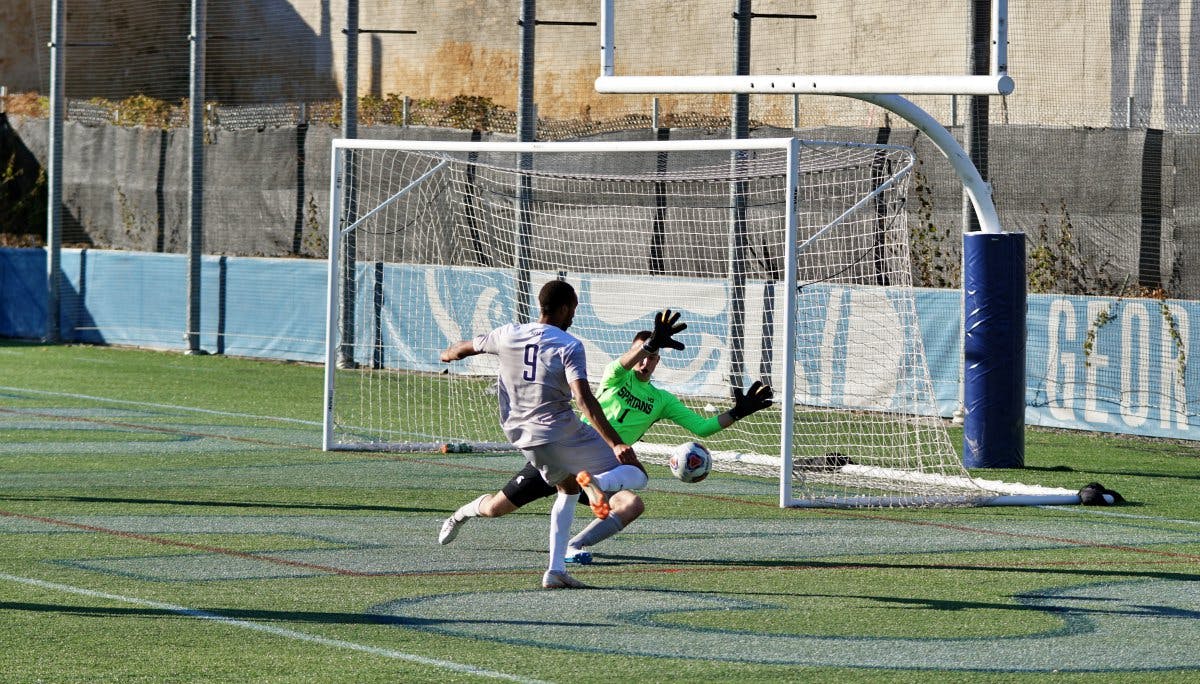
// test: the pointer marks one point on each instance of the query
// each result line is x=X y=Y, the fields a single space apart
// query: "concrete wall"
x=1125 y=379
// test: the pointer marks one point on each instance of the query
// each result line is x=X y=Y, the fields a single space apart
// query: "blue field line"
x=271 y=629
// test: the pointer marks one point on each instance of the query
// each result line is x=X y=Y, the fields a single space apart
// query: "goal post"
x=872 y=51
x=452 y=239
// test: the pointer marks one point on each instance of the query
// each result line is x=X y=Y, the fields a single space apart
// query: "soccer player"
x=541 y=368
x=631 y=404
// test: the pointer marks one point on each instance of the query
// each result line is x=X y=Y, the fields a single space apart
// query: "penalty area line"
x=269 y=629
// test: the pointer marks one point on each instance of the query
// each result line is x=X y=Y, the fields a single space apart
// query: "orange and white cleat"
x=595 y=496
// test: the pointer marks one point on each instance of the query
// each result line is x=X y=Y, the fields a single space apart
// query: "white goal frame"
x=963 y=489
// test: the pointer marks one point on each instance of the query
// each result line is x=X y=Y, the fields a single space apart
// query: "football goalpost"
x=872 y=51
x=788 y=259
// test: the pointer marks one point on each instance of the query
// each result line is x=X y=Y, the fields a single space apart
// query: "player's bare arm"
x=459 y=350
x=590 y=408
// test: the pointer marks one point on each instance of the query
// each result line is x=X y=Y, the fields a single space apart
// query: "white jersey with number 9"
x=537 y=364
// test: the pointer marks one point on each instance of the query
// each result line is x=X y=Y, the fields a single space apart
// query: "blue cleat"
x=580 y=558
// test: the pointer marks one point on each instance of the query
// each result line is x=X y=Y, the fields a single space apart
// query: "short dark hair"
x=555 y=294
x=642 y=336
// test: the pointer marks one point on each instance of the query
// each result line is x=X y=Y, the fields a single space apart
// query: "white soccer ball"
x=690 y=462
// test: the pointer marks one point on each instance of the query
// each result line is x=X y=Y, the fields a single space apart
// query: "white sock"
x=596 y=532
x=621 y=477
x=562 y=514
x=470 y=510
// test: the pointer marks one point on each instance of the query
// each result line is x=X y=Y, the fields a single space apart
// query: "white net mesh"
x=447 y=245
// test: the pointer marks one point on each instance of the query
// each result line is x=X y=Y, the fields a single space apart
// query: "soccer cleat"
x=450 y=529
x=559 y=579
x=596 y=497
x=579 y=557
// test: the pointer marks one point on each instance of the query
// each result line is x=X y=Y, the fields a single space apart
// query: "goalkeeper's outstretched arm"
x=758 y=397
x=753 y=400
x=648 y=343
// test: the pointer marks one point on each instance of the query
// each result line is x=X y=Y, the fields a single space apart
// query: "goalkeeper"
x=632 y=405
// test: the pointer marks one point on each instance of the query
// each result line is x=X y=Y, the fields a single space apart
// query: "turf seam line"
x=193 y=409
x=151 y=428
x=1025 y=535
x=799 y=566
x=162 y=541
x=270 y=629
x=1115 y=514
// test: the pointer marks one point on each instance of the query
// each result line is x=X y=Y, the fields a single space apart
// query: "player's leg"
x=553 y=461
x=562 y=513
x=617 y=476
x=626 y=507
x=527 y=485
x=574 y=455
x=620 y=478
x=598 y=470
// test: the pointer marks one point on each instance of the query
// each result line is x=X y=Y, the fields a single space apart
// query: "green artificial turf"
x=166 y=517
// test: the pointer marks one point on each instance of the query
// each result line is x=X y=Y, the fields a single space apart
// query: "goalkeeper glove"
x=757 y=398
x=666 y=325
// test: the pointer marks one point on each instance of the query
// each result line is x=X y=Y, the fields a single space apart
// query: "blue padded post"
x=994 y=350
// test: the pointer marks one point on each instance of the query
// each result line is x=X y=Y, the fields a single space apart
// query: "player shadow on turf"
x=268 y=616
x=1077 y=594
x=224 y=504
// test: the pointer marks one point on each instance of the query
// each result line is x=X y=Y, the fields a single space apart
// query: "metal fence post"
x=350 y=195
x=54 y=214
x=197 y=38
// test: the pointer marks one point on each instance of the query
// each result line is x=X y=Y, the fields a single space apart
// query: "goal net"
x=788 y=260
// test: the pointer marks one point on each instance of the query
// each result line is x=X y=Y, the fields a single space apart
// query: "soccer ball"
x=690 y=462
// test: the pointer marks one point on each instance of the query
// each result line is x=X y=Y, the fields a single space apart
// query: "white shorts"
x=584 y=450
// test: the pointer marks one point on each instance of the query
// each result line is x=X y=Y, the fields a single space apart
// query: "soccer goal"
x=789 y=261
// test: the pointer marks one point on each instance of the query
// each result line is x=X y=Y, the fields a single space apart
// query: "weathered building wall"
x=1076 y=62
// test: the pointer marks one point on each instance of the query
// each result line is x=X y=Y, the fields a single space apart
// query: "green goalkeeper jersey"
x=632 y=406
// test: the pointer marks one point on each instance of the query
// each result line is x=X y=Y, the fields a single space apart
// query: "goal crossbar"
x=997 y=84
x=575 y=147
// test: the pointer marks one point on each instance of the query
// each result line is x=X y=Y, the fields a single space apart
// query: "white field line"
x=227 y=414
x=1088 y=510
x=270 y=629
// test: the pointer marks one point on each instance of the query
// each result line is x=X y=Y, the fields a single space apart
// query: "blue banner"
x=1093 y=363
